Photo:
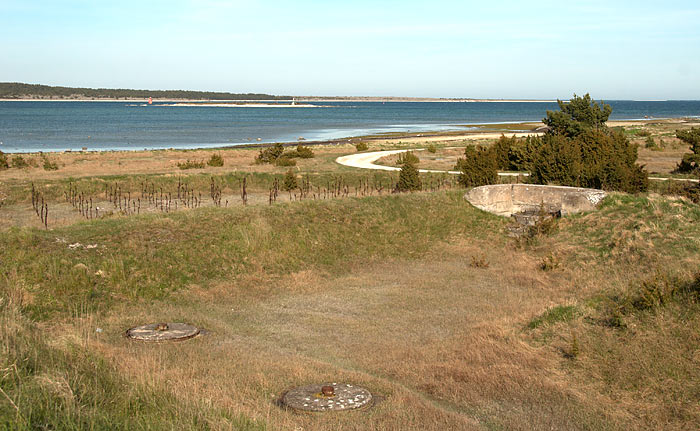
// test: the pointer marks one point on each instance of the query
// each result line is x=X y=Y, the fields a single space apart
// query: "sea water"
x=34 y=126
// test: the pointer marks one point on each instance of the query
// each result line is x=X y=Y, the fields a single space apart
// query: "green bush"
x=577 y=115
x=477 y=167
x=580 y=150
x=409 y=178
x=651 y=293
x=19 y=162
x=649 y=143
x=191 y=164
x=500 y=151
x=361 y=146
x=269 y=155
x=304 y=152
x=432 y=148
x=407 y=158
x=285 y=161
x=290 y=181
x=49 y=165
x=216 y=160
x=690 y=162
x=3 y=161
x=521 y=153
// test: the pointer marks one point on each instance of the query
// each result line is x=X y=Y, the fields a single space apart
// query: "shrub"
x=19 y=162
x=304 y=152
x=432 y=148
x=361 y=146
x=409 y=179
x=479 y=262
x=290 y=181
x=285 y=161
x=407 y=158
x=576 y=116
x=690 y=162
x=49 y=165
x=598 y=158
x=653 y=292
x=216 y=160
x=191 y=164
x=649 y=143
x=522 y=152
x=269 y=155
x=549 y=263
x=3 y=161
x=500 y=151
x=477 y=168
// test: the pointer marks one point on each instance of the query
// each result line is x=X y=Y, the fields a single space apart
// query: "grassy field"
x=421 y=298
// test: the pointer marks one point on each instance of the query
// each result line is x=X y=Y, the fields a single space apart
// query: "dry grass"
x=368 y=291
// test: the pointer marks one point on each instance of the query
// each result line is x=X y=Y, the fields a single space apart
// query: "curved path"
x=366 y=161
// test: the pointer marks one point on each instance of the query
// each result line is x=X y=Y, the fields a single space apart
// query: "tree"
x=580 y=150
x=409 y=178
x=3 y=161
x=690 y=162
x=578 y=115
x=477 y=167
x=269 y=155
x=595 y=158
x=290 y=181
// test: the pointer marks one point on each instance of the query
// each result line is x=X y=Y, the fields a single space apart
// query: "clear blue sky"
x=492 y=49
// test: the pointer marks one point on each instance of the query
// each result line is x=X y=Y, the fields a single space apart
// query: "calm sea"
x=59 y=126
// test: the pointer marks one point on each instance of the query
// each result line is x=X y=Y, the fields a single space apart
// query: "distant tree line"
x=17 y=90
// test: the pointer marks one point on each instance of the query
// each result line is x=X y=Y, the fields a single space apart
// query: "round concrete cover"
x=310 y=398
x=163 y=332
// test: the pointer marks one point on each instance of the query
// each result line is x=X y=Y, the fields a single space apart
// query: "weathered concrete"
x=163 y=332
x=509 y=199
x=327 y=397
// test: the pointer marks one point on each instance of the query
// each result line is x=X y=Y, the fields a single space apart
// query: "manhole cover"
x=325 y=397
x=163 y=332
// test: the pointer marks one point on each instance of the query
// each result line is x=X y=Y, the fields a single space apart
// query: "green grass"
x=152 y=256
x=559 y=313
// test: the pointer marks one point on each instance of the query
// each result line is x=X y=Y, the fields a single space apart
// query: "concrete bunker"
x=325 y=397
x=512 y=199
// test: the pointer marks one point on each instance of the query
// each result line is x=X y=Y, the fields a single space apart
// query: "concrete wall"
x=509 y=199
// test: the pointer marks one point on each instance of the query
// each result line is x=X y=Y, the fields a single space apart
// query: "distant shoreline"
x=194 y=102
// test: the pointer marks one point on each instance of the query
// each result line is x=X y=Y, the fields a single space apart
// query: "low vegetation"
x=19 y=162
x=690 y=162
x=362 y=146
x=478 y=167
x=216 y=160
x=48 y=164
x=278 y=156
x=191 y=164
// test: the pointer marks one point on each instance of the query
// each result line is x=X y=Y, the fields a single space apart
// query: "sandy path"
x=366 y=161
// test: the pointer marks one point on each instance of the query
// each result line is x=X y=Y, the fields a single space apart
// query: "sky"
x=641 y=50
